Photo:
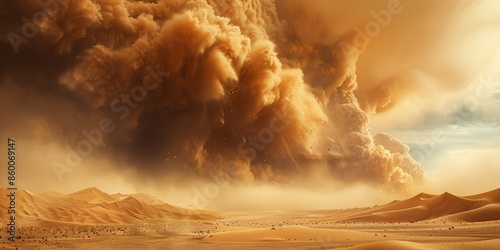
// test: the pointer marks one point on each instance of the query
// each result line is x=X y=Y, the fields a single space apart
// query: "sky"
x=254 y=104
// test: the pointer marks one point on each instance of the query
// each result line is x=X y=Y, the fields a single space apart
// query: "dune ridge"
x=93 y=206
x=423 y=206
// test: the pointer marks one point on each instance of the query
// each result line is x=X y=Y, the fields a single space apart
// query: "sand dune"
x=91 y=195
x=52 y=193
x=492 y=196
x=93 y=206
x=90 y=218
x=481 y=207
x=145 y=198
x=485 y=213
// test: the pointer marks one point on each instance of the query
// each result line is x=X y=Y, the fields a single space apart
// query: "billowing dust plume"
x=200 y=87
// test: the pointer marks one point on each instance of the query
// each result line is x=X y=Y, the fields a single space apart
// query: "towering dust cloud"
x=238 y=88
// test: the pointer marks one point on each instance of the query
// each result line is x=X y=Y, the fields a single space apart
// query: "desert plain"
x=303 y=104
x=93 y=219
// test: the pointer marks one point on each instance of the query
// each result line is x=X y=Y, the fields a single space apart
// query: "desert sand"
x=92 y=218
